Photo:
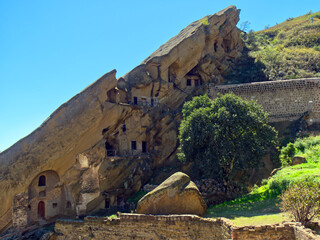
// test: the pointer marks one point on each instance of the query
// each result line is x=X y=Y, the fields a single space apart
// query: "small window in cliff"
x=54 y=205
x=215 y=46
x=135 y=100
x=68 y=205
x=109 y=150
x=106 y=203
x=124 y=128
x=144 y=101
x=133 y=145
x=169 y=76
x=144 y=147
x=188 y=82
x=42 y=194
x=120 y=202
x=42 y=180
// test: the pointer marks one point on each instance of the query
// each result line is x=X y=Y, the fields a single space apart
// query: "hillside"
x=261 y=205
x=285 y=51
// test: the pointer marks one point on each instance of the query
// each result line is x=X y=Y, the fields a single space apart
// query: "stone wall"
x=136 y=226
x=286 y=231
x=283 y=99
x=139 y=226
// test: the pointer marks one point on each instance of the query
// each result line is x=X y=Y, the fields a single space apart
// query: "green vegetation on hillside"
x=263 y=200
x=288 y=50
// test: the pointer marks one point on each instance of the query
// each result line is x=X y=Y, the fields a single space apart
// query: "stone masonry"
x=283 y=99
x=184 y=227
x=138 y=226
x=286 y=231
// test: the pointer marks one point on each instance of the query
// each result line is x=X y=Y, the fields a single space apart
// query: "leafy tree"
x=302 y=200
x=224 y=134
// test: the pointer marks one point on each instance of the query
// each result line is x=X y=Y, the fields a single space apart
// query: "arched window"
x=68 y=204
x=42 y=180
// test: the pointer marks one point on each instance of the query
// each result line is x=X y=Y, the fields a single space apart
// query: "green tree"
x=224 y=134
x=302 y=200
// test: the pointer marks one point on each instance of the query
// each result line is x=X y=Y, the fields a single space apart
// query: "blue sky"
x=51 y=50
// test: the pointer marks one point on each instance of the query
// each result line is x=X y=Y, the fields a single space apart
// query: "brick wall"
x=283 y=99
x=137 y=226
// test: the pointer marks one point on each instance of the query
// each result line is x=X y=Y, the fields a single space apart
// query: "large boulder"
x=176 y=195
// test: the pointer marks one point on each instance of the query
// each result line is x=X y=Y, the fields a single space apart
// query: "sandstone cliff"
x=102 y=145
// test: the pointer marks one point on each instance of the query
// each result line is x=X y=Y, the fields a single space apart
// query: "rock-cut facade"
x=105 y=143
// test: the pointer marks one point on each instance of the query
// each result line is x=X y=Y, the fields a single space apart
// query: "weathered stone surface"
x=298 y=160
x=148 y=227
x=104 y=143
x=285 y=231
x=129 y=226
x=176 y=195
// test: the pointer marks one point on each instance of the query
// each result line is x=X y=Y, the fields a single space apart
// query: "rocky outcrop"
x=102 y=145
x=297 y=160
x=176 y=195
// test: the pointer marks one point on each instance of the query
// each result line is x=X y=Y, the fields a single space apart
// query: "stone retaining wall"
x=283 y=99
x=184 y=227
x=286 y=231
x=137 y=226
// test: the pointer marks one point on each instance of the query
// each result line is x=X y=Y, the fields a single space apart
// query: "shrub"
x=287 y=153
x=264 y=182
x=302 y=200
x=316 y=15
x=276 y=187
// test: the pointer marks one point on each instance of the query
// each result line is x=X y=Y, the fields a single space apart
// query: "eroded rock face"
x=104 y=143
x=176 y=195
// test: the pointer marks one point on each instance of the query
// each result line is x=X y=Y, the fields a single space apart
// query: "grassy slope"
x=288 y=50
x=261 y=205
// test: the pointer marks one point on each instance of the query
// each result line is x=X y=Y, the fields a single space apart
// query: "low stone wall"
x=286 y=231
x=283 y=100
x=138 y=226
x=184 y=227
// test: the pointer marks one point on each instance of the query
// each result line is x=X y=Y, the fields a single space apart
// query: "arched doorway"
x=41 y=210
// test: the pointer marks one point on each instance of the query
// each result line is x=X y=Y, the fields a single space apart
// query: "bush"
x=287 y=153
x=302 y=200
x=276 y=187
